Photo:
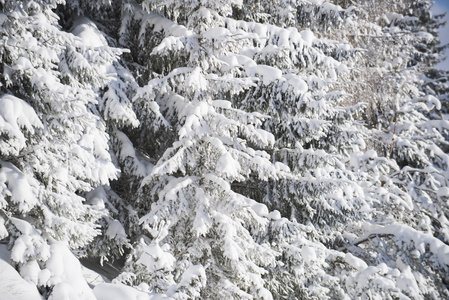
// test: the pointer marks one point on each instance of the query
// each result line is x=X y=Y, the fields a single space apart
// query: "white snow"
x=88 y=32
x=230 y=133
x=297 y=84
x=17 y=115
x=127 y=151
x=169 y=43
x=14 y=287
x=308 y=37
x=267 y=73
x=155 y=258
x=259 y=208
x=355 y=262
x=406 y=281
x=116 y=230
x=97 y=198
x=194 y=271
x=228 y=166
x=308 y=255
x=432 y=102
x=216 y=33
x=21 y=189
x=443 y=192
x=195 y=80
x=114 y=102
x=66 y=275
x=117 y=291
x=23 y=64
x=92 y=277
x=222 y=104
x=170 y=28
x=274 y=215
x=3 y=231
x=245 y=61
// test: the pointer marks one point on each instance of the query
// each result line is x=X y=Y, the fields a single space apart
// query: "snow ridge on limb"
x=419 y=240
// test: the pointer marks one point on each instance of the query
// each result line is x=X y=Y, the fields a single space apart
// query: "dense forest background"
x=241 y=149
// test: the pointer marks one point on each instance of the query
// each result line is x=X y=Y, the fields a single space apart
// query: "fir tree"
x=54 y=146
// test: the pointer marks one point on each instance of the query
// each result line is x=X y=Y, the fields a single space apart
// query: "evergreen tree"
x=202 y=236
x=54 y=146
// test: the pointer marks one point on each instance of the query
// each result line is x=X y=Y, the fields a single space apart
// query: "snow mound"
x=67 y=275
x=109 y=291
x=267 y=73
x=12 y=285
x=88 y=32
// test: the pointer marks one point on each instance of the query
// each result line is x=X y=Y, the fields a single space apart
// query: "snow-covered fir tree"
x=54 y=146
x=224 y=149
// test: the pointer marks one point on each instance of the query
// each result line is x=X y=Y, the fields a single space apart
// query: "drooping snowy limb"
x=132 y=163
x=114 y=102
x=16 y=115
x=115 y=229
x=429 y=254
